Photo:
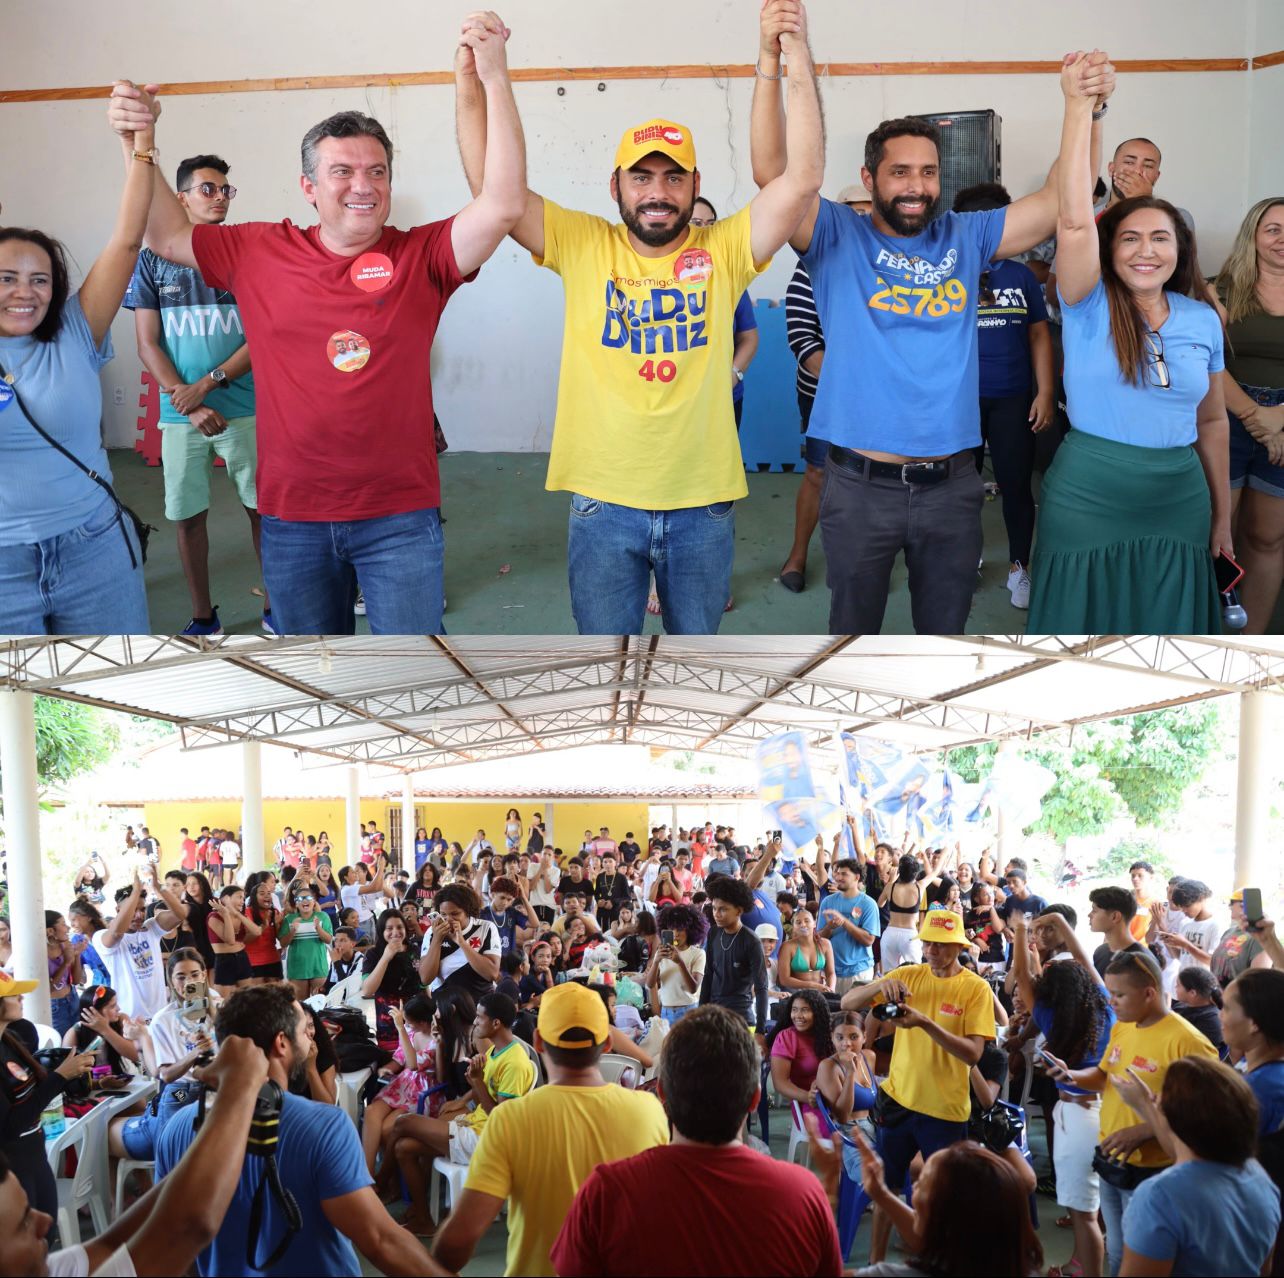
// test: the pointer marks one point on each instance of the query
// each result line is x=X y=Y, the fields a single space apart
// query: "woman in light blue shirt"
x=70 y=562
x=1137 y=502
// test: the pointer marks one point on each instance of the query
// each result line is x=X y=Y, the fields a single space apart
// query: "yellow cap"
x=9 y=987
x=572 y=1006
x=1237 y=894
x=943 y=925
x=673 y=140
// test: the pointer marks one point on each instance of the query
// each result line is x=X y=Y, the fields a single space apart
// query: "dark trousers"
x=1005 y=426
x=865 y=523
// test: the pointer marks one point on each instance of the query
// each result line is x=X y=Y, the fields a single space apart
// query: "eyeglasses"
x=1155 y=350
x=985 y=295
x=210 y=189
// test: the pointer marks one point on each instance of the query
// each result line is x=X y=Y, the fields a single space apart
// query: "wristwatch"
x=218 y=376
x=737 y=374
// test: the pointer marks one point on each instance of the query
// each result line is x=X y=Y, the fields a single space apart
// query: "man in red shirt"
x=340 y=317
x=189 y=851
x=730 y=1196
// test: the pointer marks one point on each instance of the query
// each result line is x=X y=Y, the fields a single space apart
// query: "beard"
x=889 y=211
x=299 y=1064
x=650 y=235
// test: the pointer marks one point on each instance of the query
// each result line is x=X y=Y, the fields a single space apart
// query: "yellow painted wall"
x=458 y=820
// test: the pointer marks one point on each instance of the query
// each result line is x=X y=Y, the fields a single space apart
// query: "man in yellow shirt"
x=645 y=438
x=925 y=1102
x=538 y=1152
x=1146 y=1037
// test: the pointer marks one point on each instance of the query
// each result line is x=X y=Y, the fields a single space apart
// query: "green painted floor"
x=489 y=1257
x=499 y=516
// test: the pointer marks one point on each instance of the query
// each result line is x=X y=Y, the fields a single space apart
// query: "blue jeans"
x=77 y=583
x=674 y=1014
x=312 y=571
x=612 y=550
x=140 y=1133
x=64 y=1013
x=1113 y=1203
x=916 y=1134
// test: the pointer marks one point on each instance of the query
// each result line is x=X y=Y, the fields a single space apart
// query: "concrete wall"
x=498 y=349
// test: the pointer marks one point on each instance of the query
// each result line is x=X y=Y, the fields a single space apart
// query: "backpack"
x=354 y=1045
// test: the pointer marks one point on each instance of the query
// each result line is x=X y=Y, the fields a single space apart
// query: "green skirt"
x=1122 y=544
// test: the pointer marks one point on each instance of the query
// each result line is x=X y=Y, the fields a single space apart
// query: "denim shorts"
x=1250 y=465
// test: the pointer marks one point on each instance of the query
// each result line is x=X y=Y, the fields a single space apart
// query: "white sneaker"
x=360 y=606
x=1019 y=586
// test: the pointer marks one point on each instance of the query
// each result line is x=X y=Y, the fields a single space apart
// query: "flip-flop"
x=731 y=603
x=794 y=582
x=653 y=604
x=1065 y=1222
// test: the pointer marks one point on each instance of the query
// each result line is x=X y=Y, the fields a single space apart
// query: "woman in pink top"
x=797 y=1045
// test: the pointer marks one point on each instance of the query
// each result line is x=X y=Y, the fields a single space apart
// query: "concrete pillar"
x=352 y=815
x=22 y=838
x=253 y=846
x=1252 y=793
x=408 y=823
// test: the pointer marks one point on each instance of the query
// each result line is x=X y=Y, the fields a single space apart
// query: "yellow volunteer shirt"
x=644 y=416
x=1150 y=1052
x=508 y=1073
x=542 y=1148
x=924 y=1077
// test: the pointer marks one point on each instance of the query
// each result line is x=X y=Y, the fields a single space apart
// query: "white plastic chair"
x=83 y=1188
x=797 y=1136
x=450 y=1175
x=47 y=1036
x=535 y=1060
x=1027 y=1082
x=123 y=1169
x=348 y=1092
x=613 y=1066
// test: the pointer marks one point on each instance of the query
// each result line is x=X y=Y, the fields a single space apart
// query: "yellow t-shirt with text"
x=644 y=415
x=1149 y=1051
x=538 y=1151
x=923 y=1076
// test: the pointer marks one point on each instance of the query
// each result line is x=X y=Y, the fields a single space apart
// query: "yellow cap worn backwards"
x=943 y=925
x=572 y=1006
x=673 y=140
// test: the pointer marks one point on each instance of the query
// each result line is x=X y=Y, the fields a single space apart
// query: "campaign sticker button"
x=371 y=272
x=348 y=351
x=6 y=395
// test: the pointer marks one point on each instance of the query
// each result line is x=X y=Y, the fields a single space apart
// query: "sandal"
x=653 y=604
x=1071 y=1269
x=1065 y=1222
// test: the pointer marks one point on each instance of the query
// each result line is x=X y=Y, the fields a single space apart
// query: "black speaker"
x=971 y=150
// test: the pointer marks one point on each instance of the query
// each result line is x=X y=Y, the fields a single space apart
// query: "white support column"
x=1252 y=791
x=352 y=823
x=408 y=823
x=673 y=823
x=253 y=847
x=1002 y=852
x=22 y=838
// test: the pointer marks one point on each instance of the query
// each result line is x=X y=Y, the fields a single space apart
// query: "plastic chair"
x=613 y=1066
x=82 y=1188
x=852 y=1198
x=1027 y=1080
x=348 y=1092
x=797 y=1137
x=449 y=1175
x=123 y=1169
x=47 y=1036
x=540 y=1078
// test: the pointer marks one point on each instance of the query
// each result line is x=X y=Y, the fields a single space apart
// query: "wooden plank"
x=1268 y=60
x=692 y=71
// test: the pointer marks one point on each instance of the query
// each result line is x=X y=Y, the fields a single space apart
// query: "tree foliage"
x=1141 y=766
x=71 y=738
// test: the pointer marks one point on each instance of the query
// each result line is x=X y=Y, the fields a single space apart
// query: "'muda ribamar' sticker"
x=371 y=272
x=348 y=351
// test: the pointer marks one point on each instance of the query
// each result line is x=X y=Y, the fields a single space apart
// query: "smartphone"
x=666 y=936
x=1048 y=1058
x=1252 y=907
x=1228 y=572
x=96 y=1045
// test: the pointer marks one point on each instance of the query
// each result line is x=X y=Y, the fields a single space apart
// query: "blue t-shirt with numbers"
x=200 y=328
x=1003 y=329
x=1100 y=401
x=318 y=1156
x=899 y=317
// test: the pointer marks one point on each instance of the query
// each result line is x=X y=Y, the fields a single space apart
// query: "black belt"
x=924 y=472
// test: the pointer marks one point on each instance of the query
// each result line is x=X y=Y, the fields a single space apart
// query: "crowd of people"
x=591 y=1032
x=920 y=334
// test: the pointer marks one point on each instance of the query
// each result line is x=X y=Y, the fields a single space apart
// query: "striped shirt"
x=802 y=327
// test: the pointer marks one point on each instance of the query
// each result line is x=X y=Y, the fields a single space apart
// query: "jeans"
x=80 y=582
x=312 y=571
x=674 y=1014
x=611 y=551
x=1005 y=426
x=140 y=1133
x=1113 y=1203
x=865 y=523
x=915 y=1134
x=64 y=1013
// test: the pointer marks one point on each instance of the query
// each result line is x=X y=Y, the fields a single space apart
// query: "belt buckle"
x=907 y=467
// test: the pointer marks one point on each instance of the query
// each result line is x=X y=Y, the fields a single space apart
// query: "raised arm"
x=175 y=911
x=767 y=151
x=472 y=128
x=124 y=912
x=168 y=232
x=785 y=209
x=104 y=287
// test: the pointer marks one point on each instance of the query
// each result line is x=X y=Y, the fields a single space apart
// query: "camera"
x=887 y=1011
x=196 y=1003
x=1002 y=1126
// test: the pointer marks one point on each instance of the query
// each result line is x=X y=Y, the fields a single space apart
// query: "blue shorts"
x=1250 y=466
x=140 y=1133
x=915 y=1134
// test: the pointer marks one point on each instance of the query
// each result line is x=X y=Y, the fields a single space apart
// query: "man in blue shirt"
x=897 y=297
x=319 y=1160
x=849 y=919
x=191 y=341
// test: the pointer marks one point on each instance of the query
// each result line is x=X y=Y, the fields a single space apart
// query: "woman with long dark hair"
x=903 y=898
x=1137 y=502
x=193 y=932
x=263 y=950
x=1198 y=1000
x=86 y=921
x=390 y=975
x=426 y=885
x=677 y=967
x=70 y=559
x=800 y=1039
x=65 y=971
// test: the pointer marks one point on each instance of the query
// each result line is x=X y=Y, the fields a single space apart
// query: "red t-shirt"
x=774 y=1215
x=341 y=363
x=189 y=854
